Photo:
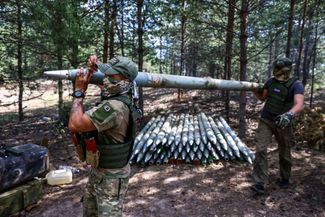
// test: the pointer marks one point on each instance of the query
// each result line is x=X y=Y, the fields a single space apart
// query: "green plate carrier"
x=277 y=101
x=117 y=155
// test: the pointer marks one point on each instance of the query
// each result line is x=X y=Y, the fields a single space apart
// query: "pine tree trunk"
x=20 y=61
x=183 y=31
x=106 y=31
x=182 y=51
x=212 y=69
x=59 y=43
x=271 y=59
x=74 y=39
x=173 y=67
x=181 y=68
x=74 y=54
x=60 y=86
x=311 y=98
x=112 y=30
x=313 y=67
x=276 y=46
x=229 y=41
x=290 y=21
x=301 y=43
x=194 y=59
x=243 y=67
x=140 y=46
x=120 y=31
x=160 y=54
x=307 y=50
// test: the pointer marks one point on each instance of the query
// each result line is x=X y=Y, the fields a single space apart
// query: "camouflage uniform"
x=106 y=188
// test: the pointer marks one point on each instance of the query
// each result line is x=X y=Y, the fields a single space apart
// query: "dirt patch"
x=218 y=189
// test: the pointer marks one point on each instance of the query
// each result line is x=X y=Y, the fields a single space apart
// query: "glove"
x=282 y=121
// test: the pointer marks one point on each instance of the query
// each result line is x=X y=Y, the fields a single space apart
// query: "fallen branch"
x=13 y=103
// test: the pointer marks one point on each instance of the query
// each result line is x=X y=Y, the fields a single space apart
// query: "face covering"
x=112 y=87
x=282 y=74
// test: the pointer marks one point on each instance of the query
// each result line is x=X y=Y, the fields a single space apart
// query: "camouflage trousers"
x=104 y=195
x=285 y=138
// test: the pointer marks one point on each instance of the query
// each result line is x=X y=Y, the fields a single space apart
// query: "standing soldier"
x=104 y=134
x=284 y=97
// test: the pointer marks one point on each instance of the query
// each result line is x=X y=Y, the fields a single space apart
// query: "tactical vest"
x=114 y=155
x=278 y=101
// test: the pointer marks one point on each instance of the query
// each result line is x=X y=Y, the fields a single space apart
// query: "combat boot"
x=258 y=188
x=283 y=183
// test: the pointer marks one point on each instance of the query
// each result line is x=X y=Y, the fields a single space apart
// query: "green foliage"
x=75 y=29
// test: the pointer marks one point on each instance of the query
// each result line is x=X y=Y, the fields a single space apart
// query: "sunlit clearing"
x=208 y=181
x=301 y=155
x=176 y=190
x=146 y=175
x=152 y=191
x=142 y=202
x=243 y=185
x=173 y=179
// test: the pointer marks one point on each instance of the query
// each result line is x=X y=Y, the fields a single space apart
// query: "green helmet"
x=119 y=65
x=282 y=68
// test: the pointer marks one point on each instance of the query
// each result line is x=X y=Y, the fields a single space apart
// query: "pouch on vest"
x=92 y=154
x=92 y=158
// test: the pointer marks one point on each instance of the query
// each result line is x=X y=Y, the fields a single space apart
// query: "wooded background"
x=222 y=39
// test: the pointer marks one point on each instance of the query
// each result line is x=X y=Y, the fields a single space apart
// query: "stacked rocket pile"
x=188 y=138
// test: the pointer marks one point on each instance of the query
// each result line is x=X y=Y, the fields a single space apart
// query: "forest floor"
x=183 y=190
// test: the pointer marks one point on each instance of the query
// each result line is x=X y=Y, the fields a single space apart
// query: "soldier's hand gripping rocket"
x=92 y=64
x=83 y=77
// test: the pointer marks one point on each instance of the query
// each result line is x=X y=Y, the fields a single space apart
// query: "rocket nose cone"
x=58 y=74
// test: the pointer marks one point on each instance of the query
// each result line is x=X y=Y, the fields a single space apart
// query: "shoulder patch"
x=107 y=108
x=103 y=112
